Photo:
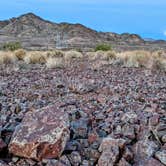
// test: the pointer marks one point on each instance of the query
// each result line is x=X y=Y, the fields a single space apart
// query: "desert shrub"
x=90 y=55
x=55 y=62
x=73 y=55
x=20 y=54
x=103 y=47
x=35 y=57
x=136 y=58
x=54 y=54
x=109 y=55
x=102 y=55
x=159 y=60
x=11 y=46
x=159 y=64
x=7 y=57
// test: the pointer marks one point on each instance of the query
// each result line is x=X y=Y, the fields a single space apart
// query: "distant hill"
x=36 y=33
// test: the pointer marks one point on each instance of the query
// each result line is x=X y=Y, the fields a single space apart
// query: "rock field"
x=80 y=116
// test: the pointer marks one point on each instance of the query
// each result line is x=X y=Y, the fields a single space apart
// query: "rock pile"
x=81 y=117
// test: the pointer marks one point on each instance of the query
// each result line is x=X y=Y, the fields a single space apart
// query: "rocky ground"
x=82 y=116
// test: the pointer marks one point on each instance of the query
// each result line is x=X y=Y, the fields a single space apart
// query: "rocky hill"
x=36 y=33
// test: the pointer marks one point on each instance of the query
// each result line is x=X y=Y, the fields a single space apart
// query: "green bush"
x=12 y=46
x=103 y=47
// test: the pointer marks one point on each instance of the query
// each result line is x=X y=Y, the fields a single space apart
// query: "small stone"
x=161 y=130
x=2 y=145
x=161 y=155
x=79 y=128
x=145 y=148
x=109 y=142
x=94 y=154
x=153 y=162
x=154 y=120
x=63 y=159
x=92 y=137
x=110 y=150
x=15 y=159
x=163 y=138
x=75 y=158
x=128 y=155
x=85 y=163
x=123 y=162
x=50 y=162
x=118 y=131
x=72 y=145
x=130 y=117
x=128 y=131
x=2 y=163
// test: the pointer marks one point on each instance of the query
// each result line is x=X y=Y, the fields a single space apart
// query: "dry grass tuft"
x=102 y=55
x=69 y=55
x=35 y=57
x=7 y=57
x=55 y=54
x=135 y=59
x=159 y=60
x=20 y=54
x=55 y=62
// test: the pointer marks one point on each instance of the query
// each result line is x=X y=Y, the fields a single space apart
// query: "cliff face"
x=36 y=33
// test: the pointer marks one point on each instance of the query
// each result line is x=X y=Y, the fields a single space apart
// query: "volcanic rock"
x=42 y=134
x=161 y=155
x=110 y=149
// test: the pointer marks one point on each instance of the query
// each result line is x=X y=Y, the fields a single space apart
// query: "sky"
x=144 y=17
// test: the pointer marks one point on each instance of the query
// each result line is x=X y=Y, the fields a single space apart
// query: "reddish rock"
x=110 y=149
x=153 y=162
x=92 y=137
x=2 y=145
x=128 y=131
x=128 y=155
x=123 y=162
x=144 y=150
x=109 y=141
x=154 y=120
x=42 y=134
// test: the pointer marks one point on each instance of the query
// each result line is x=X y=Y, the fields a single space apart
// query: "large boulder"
x=42 y=134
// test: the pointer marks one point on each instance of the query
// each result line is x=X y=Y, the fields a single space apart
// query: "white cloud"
x=164 y=33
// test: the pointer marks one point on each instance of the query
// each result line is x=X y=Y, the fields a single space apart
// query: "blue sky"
x=144 y=17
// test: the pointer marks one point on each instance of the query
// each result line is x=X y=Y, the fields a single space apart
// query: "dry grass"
x=59 y=59
x=55 y=62
x=135 y=59
x=7 y=57
x=102 y=55
x=20 y=54
x=69 y=55
x=33 y=57
x=55 y=54
x=159 y=60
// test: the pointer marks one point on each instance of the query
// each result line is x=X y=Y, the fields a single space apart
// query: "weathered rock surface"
x=111 y=149
x=161 y=155
x=42 y=134
x=121 y=104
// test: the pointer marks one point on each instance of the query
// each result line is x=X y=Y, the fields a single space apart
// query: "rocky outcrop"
x=42 y=134
x=36 y=33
